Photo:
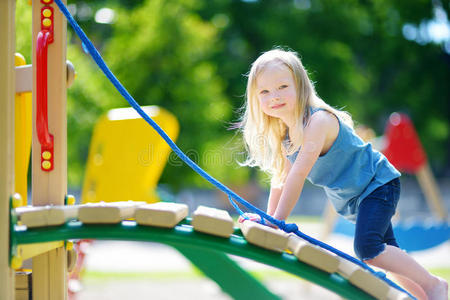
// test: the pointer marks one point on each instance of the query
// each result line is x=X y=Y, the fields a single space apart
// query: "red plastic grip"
x=44 y=38
x=44 y=136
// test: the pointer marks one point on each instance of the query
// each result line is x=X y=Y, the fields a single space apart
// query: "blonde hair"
x=263 y=134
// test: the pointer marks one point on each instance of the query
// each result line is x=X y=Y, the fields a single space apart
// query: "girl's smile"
x=277 y=93
x=278 y=106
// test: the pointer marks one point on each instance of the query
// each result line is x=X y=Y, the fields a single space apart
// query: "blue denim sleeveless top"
x=349 y=171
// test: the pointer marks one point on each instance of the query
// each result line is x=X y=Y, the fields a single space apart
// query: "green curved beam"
x=184 y=236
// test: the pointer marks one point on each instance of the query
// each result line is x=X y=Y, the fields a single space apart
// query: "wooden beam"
x=161 y=214
x=24 y=78
x=431 y=190
x=107 y=212
x=50 y=269
x=42 y=216
x=212 y=221
x=264 y=236
x=7 y=94
x=313 y=255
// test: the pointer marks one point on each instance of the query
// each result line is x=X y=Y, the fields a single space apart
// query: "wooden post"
x=431 y=190
x=7 y=93
x=49 y=187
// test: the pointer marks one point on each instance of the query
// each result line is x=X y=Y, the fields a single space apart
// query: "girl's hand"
x=255 y=218
x=251 y=217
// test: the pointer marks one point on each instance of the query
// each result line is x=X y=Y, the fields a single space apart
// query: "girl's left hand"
x=255 y=218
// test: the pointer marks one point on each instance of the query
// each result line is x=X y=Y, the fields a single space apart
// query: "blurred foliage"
x=190 y=56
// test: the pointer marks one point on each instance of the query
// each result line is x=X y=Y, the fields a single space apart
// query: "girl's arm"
x=314 y=138
x=274 y=198
x=275 y=193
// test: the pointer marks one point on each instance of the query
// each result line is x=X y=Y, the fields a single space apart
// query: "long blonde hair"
x=264 y=135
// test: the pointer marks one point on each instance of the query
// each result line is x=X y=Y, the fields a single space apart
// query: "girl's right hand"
x=255 y=218
x=250 y=217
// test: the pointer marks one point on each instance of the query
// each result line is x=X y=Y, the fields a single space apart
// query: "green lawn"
x=174 y=275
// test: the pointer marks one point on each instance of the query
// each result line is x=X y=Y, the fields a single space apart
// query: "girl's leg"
x=399 y=262
x=415 y=289
x=408 y=284
x=375 y=242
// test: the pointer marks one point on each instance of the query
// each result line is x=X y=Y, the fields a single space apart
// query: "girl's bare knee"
x=375 y=261
x=371 y=261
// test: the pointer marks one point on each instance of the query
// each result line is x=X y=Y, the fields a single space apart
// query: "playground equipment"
x=50 y=221
x=406 y=153
x=22 y=126
x=120 y=171
x=208 y=229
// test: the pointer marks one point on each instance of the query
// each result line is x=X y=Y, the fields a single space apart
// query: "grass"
x=196 y=274
x=97 y=276
x=442 y=272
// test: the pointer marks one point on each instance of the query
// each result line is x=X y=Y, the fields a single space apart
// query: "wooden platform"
x=212 y=221
x=161 y=214
x=39 y=216
x=107 y=212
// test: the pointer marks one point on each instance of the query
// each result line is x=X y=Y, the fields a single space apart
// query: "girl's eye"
x=283 y=86
x=264 y=92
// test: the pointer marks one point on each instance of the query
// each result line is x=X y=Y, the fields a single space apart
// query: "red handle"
x=44 y=137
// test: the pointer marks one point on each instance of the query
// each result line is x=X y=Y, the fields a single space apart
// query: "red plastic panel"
x=403 y=148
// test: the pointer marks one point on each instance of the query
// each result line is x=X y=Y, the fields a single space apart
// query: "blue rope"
x=236 y=207
x=289 y=228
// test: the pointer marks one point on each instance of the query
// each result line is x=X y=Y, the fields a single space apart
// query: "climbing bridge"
x=209 y=230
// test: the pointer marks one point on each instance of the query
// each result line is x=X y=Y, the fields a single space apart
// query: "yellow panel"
x=126 y=156
x=30 y=250
x=22 y=142
x=19 y=60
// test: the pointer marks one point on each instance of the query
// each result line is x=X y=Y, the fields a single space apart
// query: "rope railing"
x=287 y=227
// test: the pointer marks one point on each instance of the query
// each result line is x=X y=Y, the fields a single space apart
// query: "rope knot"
x=291 y=227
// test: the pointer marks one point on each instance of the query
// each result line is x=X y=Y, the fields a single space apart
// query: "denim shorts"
x=373 y=223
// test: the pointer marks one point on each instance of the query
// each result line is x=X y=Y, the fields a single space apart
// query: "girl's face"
x=276 y=91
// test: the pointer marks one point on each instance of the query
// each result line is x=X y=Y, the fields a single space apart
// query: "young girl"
x=294 y=135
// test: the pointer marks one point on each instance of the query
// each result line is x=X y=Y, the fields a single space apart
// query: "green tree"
x=191 y=56
x=355 y=53
x=162 y=52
